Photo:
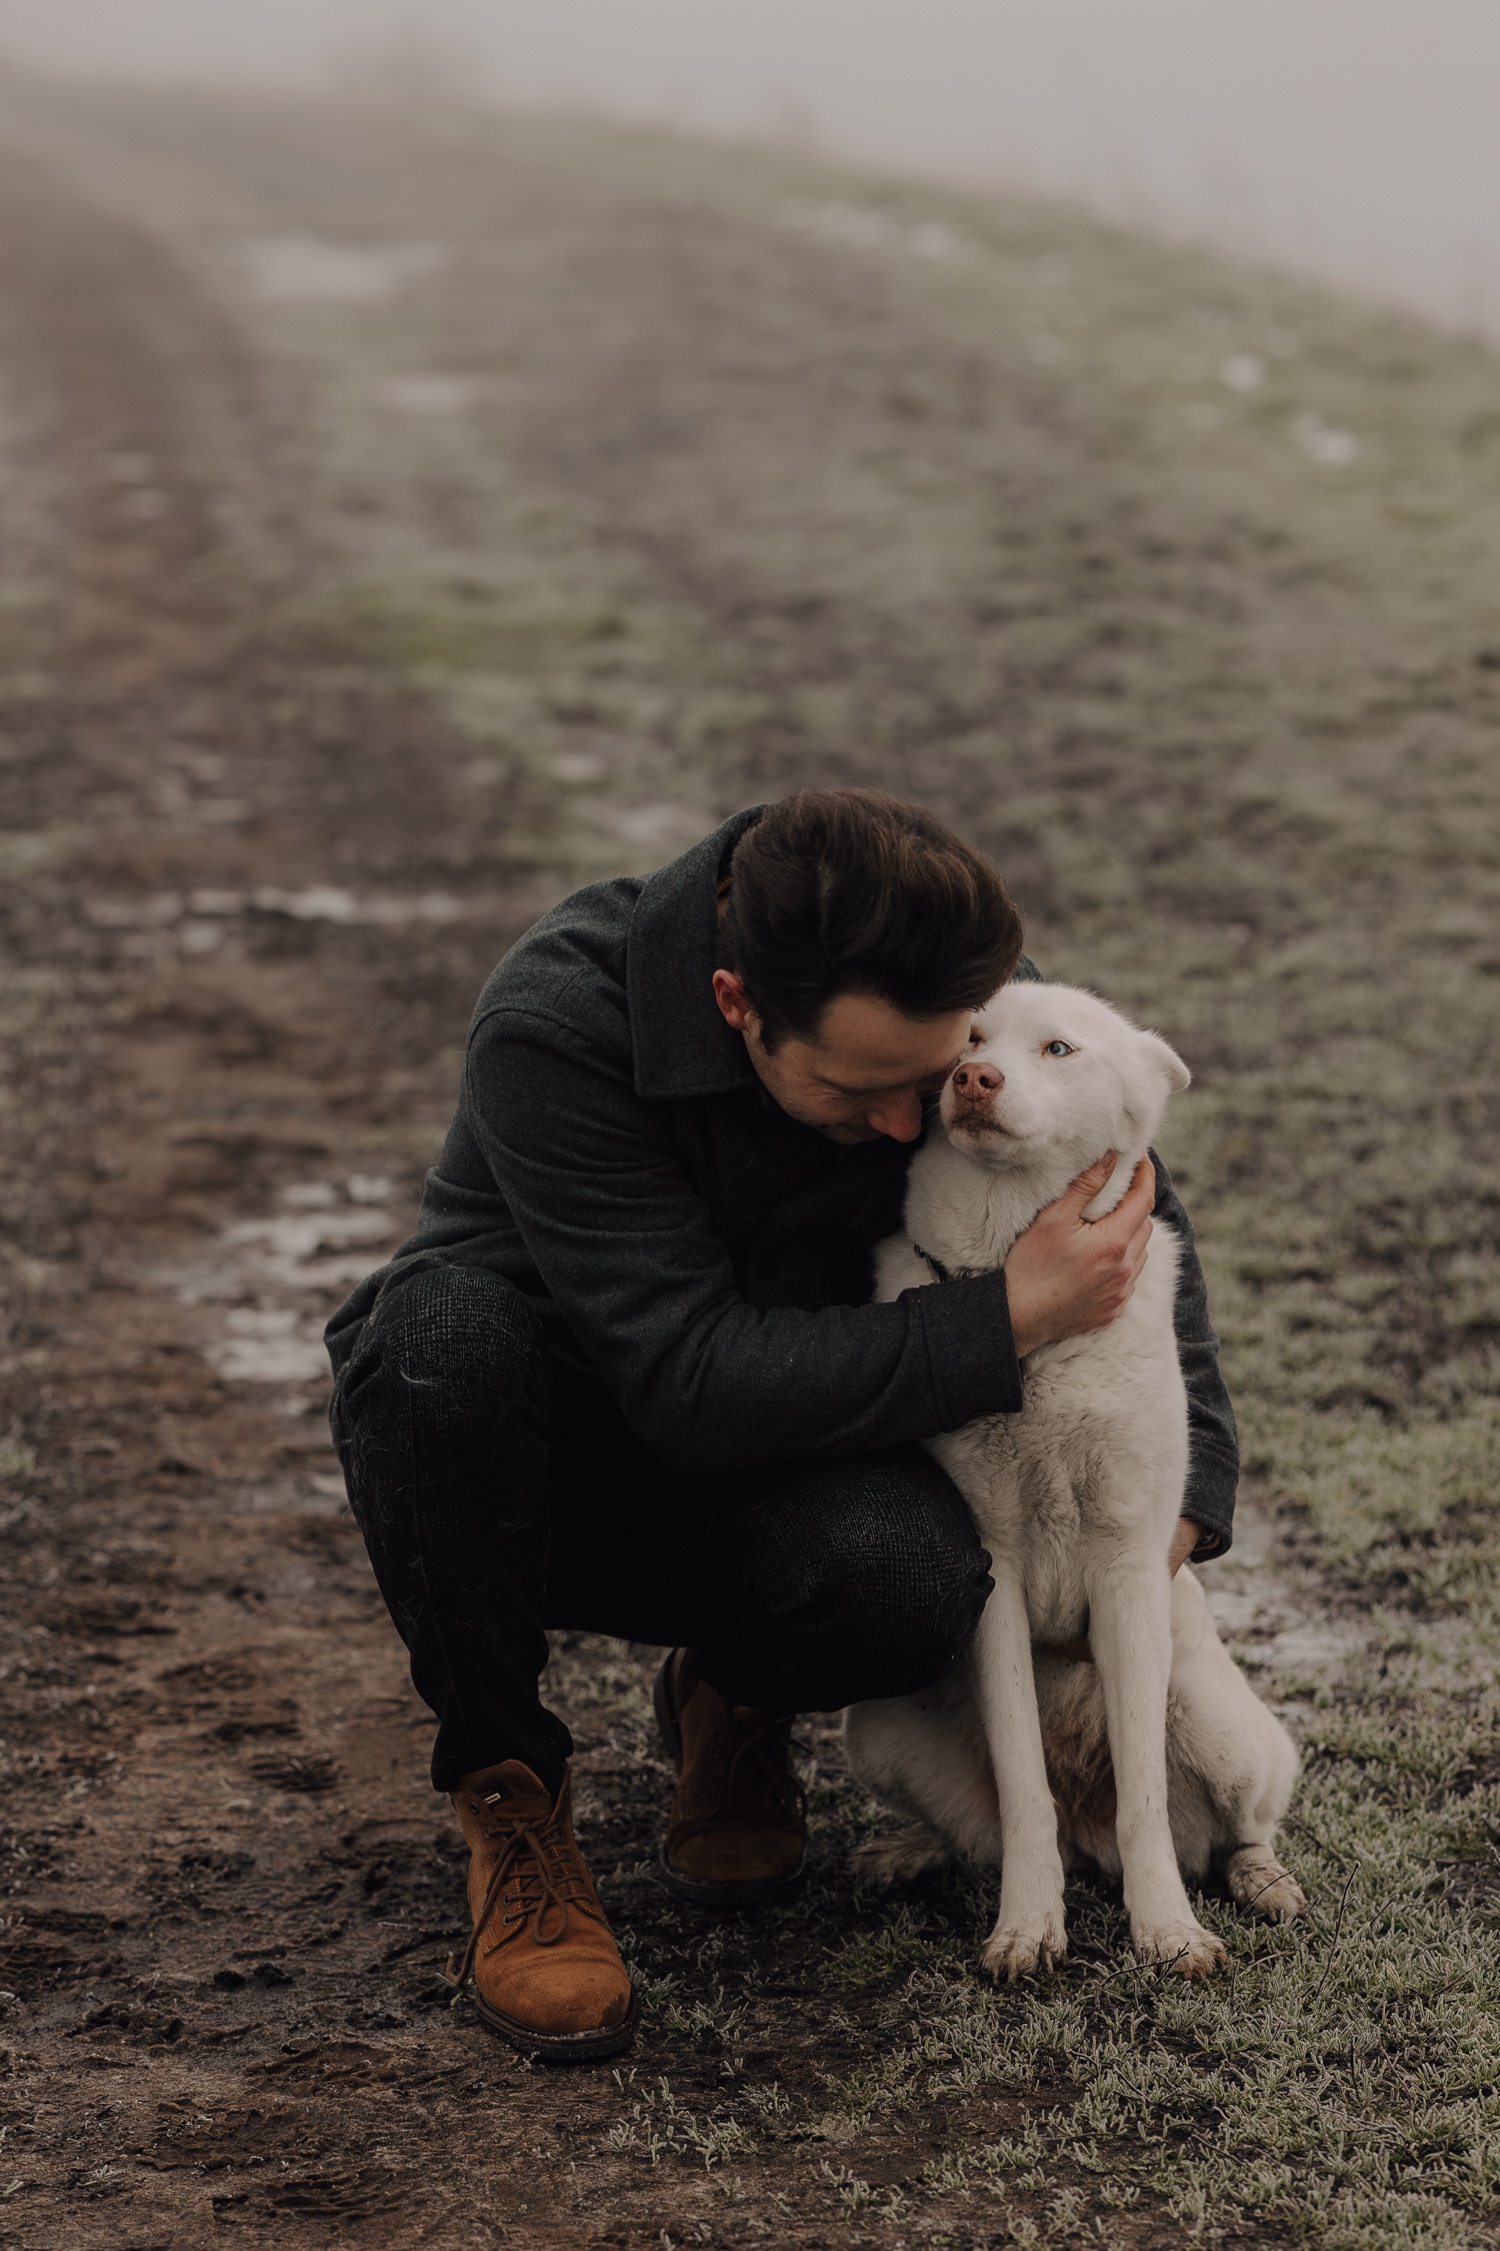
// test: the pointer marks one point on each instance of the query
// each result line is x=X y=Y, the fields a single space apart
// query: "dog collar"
x=942 y=1273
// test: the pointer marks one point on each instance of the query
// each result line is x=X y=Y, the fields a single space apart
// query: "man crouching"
x=626 y=1376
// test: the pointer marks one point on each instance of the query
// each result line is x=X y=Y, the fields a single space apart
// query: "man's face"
x=865 y=1073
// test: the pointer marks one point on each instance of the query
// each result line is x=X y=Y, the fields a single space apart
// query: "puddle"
x=152 y=913
x=428 y=394
x=1316 y=1645
x=266 y=1345
x=268 y=1285
x=325 y=903
x=1243 y=371
x=198 y=918
x=579 y=767
x=863 y=229
x=1272 y=1634
x=308 y=269
x=307 y=1250
x=1257 y=1608
x=1335 y=449
x=200 y=937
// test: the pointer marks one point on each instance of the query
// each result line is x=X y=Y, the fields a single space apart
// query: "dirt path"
x=219 y=1828
x=406 y=518
x=233 y=1892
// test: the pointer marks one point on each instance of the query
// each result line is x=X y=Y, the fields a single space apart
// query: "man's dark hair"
x=854 y=891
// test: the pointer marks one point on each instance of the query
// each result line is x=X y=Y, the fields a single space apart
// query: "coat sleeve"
x=1213 y=1440
x=625 y=1246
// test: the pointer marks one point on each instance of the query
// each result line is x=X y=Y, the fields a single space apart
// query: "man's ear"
x=730 y=995
x=1167 y=1061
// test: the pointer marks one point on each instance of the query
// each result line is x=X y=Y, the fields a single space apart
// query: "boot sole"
x=556 y=2047
x=765 y=1891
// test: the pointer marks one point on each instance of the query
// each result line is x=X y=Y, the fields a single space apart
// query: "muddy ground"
x=409 y=514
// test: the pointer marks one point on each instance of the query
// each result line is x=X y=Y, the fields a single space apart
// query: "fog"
x=1357 y=140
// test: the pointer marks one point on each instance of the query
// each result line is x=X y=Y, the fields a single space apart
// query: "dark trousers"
x=500 y=1491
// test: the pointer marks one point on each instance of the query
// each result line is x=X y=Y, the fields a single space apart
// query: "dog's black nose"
x=978 y=1079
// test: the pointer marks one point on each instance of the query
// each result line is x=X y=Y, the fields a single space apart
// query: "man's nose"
x=978 y=1080
x=900 y=1119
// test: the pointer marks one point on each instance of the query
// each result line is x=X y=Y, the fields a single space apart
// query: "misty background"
x=1354 y=140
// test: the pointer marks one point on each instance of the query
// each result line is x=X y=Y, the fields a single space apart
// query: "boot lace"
x=548 y=1879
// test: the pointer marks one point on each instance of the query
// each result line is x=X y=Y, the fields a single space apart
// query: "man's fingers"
x=1142 y=1189
x=1086 y=1187
x=1133 y=1212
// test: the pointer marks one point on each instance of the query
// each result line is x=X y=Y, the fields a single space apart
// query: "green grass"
x=1339 y=2086
x=995 y=531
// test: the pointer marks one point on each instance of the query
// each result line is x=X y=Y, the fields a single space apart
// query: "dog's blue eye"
x=1058 y=1047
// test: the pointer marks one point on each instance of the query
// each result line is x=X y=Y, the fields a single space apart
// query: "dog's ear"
x=1166 y=1060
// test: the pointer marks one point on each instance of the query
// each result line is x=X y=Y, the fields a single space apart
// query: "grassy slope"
x=998 y=531
x=990 y=526
x=1231 y=716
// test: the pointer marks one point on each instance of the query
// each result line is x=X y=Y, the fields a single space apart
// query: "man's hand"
x=1067 y=1274
x=1185 y=1537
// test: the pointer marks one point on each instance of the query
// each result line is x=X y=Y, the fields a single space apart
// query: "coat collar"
x=681 y=1045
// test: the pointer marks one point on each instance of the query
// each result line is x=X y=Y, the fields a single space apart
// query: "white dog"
x=1158 y=1755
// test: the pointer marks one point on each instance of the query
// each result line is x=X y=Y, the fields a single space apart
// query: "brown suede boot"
x=738 y=1832
x=547 y=1973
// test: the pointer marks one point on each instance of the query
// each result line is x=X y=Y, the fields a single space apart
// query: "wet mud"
x=301 y=409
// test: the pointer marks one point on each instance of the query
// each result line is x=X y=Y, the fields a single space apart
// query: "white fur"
x=1156 y=1756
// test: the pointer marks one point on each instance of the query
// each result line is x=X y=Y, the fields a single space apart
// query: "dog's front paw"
x=1015 y=1950
x=896 y=1858
x=1187 y=1948
x=1258 y=1883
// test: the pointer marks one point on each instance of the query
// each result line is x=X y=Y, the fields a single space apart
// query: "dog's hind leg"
x=900 y=1855
x=1258 y=1883
x=923 y=1756
x=1238 y=1755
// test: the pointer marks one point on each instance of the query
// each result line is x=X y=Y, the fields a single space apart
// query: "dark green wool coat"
x=614 y=1154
